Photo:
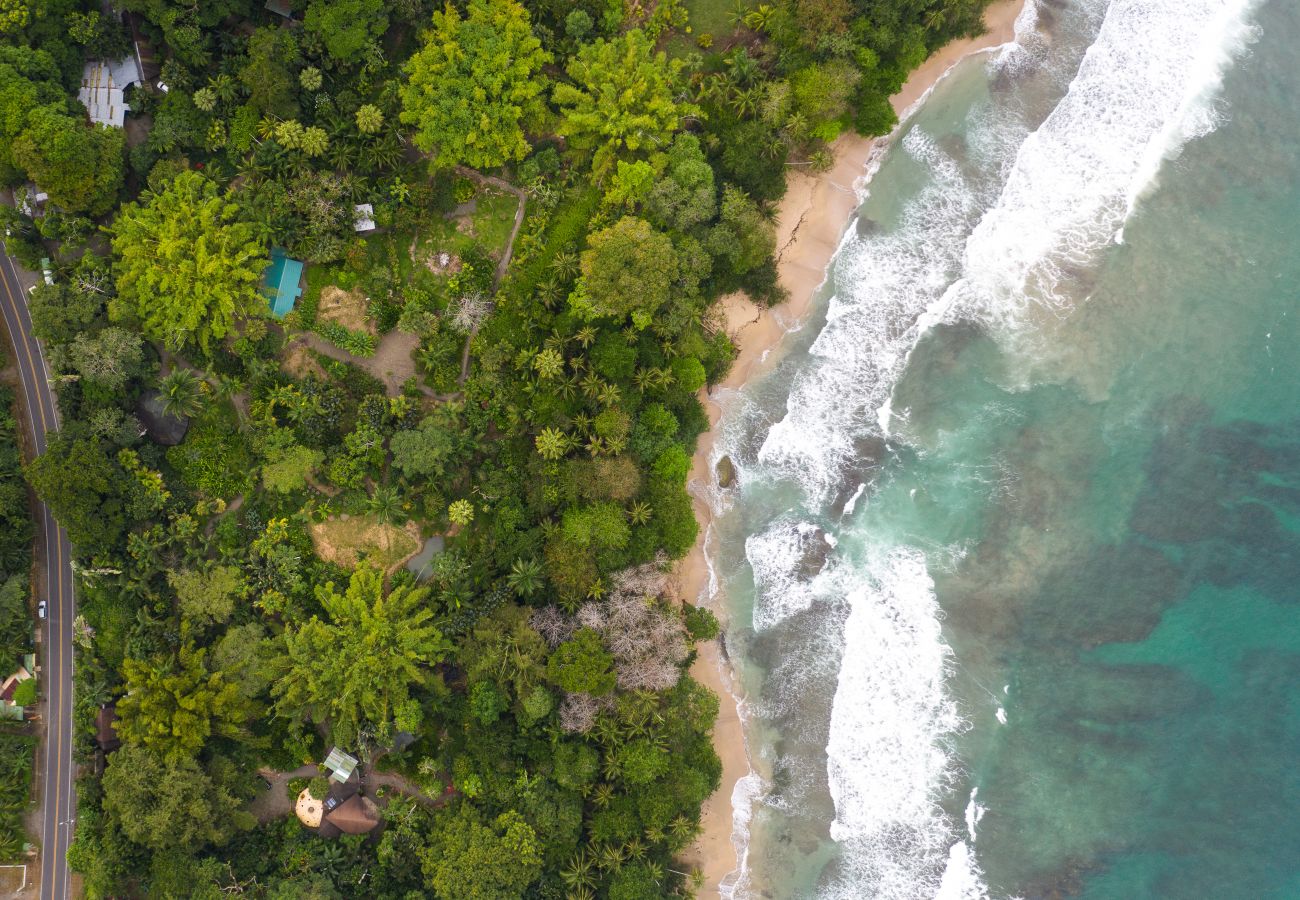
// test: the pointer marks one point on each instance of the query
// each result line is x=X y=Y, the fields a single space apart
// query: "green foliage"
x=186 y=266
x=29 y=80
x=209 y=596
x=214 y=458
x=701 y=623
x=25 y=693
x=80 y=166
x=470 y=859
x=623 y=99
x=17 y=752
x=627 y=270
x=474 y=85
x=486 y=704
x=582 y=665
x=436 y=447
x=288 y=465
x=171 y=804
x=62 y=310
x=346 y=27
x=106 y=359
x=83 y=488
x=173 y=706
x=685 y=197
x=268 y=76
x=357 y=667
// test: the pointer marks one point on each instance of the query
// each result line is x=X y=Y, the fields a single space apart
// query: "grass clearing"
x=712 y=17
x=346 y=540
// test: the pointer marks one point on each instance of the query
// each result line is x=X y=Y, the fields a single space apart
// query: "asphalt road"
x=56 y=674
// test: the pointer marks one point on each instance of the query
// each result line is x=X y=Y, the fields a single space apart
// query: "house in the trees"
x=355 y=815
x=341 y=766
x=13 y=703
x=105 y=732
x=103 y=83
x=283 y=282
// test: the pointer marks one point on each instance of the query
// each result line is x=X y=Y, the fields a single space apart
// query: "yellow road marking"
x=58 y=687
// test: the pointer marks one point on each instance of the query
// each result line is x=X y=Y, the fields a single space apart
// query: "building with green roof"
x=282 y=282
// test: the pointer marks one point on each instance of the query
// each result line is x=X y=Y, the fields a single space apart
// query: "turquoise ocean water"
x=1013 y=569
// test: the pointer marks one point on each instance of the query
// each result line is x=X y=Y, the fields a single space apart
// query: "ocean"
x=1012 y=566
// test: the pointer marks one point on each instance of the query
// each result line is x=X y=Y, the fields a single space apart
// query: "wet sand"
x=811 y=221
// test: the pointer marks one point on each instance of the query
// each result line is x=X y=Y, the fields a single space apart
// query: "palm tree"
x=744 y=68
x=548 y=364
x=603 y=795
x=552 y=443
x=181 y=393
x=224 y=87
x=315 y=141
x=525 y=577
x=640 y=512
x=385 y=504
x=565 y=265
x=611 y=858
x=579 y=873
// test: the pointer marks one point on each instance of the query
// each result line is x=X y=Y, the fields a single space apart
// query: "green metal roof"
x=282 y=282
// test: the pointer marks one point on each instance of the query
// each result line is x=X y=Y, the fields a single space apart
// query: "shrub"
x=701 y=623
x=25 y=693
x=582 y=665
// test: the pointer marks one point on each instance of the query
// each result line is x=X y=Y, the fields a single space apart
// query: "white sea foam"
x=781 y=557
x=885 y=765
x=974 y=812
x=961 y=877
x=962 y=247
x=1146 y=86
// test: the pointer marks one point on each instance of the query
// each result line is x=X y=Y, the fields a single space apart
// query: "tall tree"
x=83 y=487
x=357 y=667
x=79 y=165
x=208 y=596
x=475 y=86
x=171 y=804
x=627 y=269
x=29 y=79
x=346 y=27
x=186 y=266
x=173 y=706
x=468 y=859
x=623 y=100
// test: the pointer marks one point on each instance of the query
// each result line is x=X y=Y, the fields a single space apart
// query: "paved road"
x=38 y=399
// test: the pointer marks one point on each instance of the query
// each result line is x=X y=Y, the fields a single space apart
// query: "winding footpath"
x=57 y=792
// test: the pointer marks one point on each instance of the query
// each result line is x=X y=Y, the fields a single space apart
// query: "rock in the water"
x=726 y=472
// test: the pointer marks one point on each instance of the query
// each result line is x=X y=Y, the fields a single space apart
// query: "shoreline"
x=811 y=222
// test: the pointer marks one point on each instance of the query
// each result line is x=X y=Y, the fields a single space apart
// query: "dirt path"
x=392 y=363
x=504 y=264
x=275 y=803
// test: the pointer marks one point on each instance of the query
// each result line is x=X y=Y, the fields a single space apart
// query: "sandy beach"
x=811 y=221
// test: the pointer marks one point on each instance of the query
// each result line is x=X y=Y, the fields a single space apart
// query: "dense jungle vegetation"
x=520 y=702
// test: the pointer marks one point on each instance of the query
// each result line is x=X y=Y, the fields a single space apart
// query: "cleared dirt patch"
x=14 y=880
x=392 y=362
x=347 y=308
x=344 y=540
x=299 y=362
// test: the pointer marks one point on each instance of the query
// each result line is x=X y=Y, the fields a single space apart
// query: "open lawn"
x=345 y=540
x=712 y=17
x=399 y=264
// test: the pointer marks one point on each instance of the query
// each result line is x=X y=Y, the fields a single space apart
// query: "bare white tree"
x=578 y=712
x=471 y=310
x=553 y=625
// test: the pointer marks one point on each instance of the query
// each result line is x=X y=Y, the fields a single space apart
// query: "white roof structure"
x=363 y=216
x=102 y=84
x=341 y=765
